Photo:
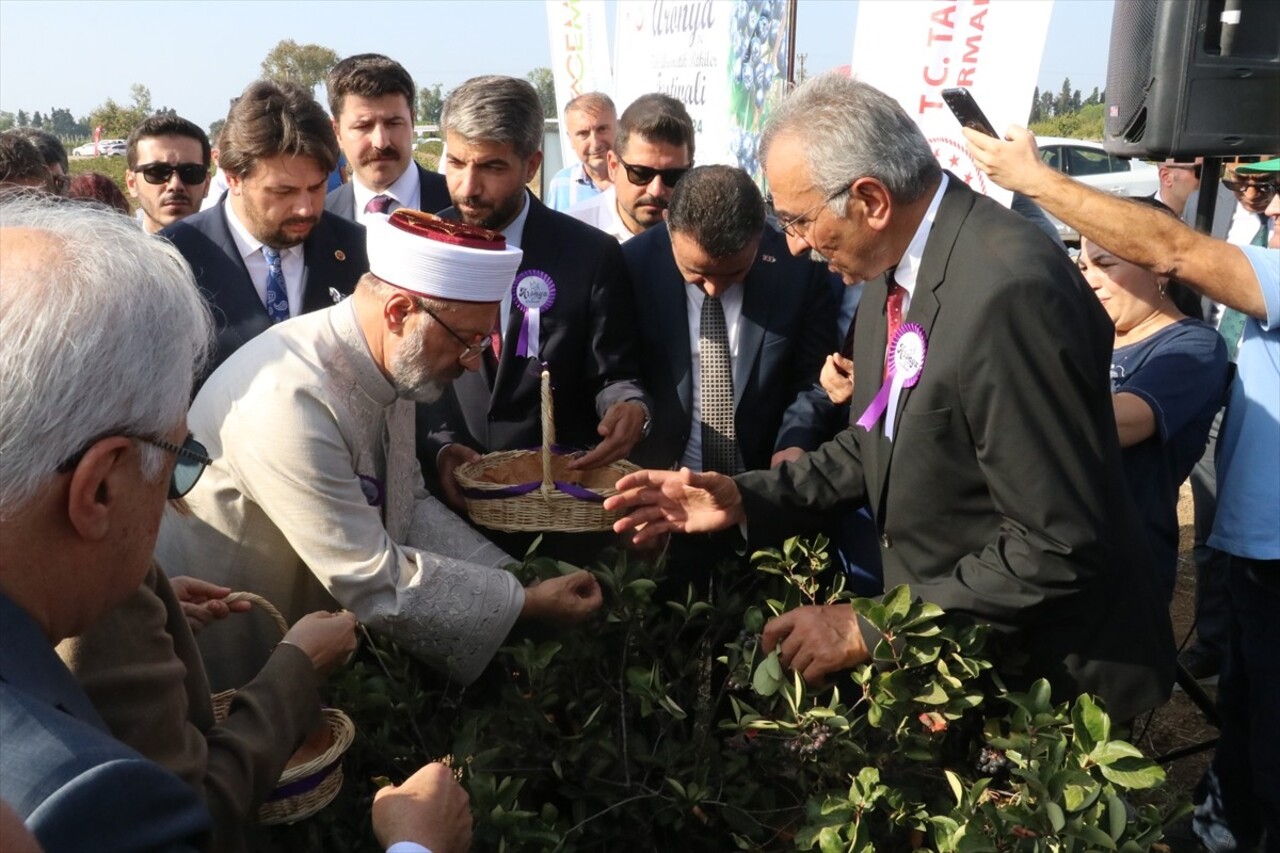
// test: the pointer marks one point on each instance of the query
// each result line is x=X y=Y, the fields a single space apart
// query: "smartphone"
x=967 y=111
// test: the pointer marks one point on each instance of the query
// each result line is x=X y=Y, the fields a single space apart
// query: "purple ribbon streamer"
x=305 y=784
x=573 y=490
x=878 y=405
x=522 y=342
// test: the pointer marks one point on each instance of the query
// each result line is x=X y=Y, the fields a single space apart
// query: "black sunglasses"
x=642 y=176
x=192 y=459
x=1264 y=188
x=160 y=173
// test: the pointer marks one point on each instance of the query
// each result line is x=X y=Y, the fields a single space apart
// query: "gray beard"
x=410 y=378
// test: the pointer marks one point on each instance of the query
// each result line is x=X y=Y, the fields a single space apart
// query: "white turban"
x=425 y=254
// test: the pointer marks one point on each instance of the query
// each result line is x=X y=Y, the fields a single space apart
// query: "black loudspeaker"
x=1193 y=77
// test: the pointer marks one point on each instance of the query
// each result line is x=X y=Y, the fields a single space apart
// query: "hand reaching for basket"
x=451 y=456
x=430 y=808
x=202 y=602
x=681 y=501
x=566 y=599
x=619 y=429
x=327 y=638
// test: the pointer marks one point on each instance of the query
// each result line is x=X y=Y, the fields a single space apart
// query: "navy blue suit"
x=787 y=329
x=75 y=786
x=334 y=258
x=433 y=195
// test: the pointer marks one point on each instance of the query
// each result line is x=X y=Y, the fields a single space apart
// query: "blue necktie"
x=277 y=297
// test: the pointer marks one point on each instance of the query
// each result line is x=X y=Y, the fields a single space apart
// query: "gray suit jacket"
x=1001 y=497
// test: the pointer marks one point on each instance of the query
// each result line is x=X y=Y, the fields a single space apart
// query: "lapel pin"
x=769 y=259
x=340 y=255
x=335 y=295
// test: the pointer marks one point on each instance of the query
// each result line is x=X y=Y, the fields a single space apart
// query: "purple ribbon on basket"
x=573 y=490
x=303 y=785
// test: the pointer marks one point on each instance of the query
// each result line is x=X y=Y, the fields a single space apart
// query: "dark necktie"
x=1231 y=326
x=277 y=298
x=893 y=317
x=719 y=438
x=379 y=204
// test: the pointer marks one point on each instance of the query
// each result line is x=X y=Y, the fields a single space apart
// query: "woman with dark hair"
x=1168 y=378
x=97 y=187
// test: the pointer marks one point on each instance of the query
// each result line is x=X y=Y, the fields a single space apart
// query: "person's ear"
x=396 y=311
x=96 y=484
x=531 y=166
x=876 y=202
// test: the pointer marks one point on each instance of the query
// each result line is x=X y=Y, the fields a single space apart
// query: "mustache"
x=374 y=155
x=653 y=201
x=171 y=198
x=301 y=220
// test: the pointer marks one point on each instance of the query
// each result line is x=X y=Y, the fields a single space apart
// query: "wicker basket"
x=307 y=786
x=535 y=490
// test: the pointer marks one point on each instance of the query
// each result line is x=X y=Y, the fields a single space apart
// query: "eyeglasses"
x=642 y=176
x=192 y=459
x=1264 y=189
x=160 y=173
x=790 y=226
x=472 y=350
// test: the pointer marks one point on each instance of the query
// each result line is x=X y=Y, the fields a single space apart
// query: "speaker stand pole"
x=1208 y=201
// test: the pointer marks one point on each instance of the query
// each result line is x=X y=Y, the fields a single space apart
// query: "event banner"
x=725 y=59
x=579 y=55
x=991 y=47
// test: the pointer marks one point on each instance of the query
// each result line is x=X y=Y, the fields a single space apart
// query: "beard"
x=494 y=215
x=273 y=233
x=410 y=375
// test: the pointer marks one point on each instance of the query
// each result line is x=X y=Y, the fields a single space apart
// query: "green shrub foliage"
x=663 y=725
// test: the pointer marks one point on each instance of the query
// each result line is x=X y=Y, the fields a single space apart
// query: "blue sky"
x=195 y=55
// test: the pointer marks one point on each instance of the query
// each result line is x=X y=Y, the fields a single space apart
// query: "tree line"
x=305 y=64
x=1066 y=114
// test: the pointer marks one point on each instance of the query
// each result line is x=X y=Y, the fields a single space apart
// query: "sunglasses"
x=642 y=176
x=160 y=173
x=192 y=459
x=1265 y=189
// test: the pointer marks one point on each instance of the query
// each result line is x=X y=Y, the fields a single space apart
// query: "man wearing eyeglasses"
x=1250 y=225
x=168 y=170
x=569 y=308
x=984 y=440
x=653 y=150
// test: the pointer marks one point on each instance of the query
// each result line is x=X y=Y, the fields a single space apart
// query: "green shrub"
x=663 y=726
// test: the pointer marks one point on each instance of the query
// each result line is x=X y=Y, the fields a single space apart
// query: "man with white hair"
x=315 y=494
x=93 y=437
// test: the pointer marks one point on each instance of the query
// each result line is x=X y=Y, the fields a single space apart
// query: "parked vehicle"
x=1089 y=163
x=105 y=148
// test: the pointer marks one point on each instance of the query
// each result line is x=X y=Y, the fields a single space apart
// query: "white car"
x=1089 y=163
x=106 y=148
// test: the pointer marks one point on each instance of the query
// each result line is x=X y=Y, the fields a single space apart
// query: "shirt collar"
x=404 y=189
x=246 y=243
x=909 y=266
x=515 y=231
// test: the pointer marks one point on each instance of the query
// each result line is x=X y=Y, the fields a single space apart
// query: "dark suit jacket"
x=1002 y=495
x=334 y=258
x=74 y=786
x=588 y=342
x=433 y=195
x=788 y=328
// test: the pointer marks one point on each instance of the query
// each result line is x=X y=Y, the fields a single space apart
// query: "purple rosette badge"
x=907 y=353
x=534 y=292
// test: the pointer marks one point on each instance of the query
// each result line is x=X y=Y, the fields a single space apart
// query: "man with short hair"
x=1253 y=190
x=985 y=442
x=653 y=150
x=21 y=166
x=733 y=392
x=569 y=310
x=54 y=155
x=314 y=497
x=372 y=100
x=591 y=123
x=89 y=448
x=269 y=251
x=1178 y=180
x=168 y=169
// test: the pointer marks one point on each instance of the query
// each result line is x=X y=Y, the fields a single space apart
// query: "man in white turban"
x=315 y=495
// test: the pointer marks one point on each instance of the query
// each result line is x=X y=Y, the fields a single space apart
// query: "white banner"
x=579 y=55
x=914 y=50
x=724 y=59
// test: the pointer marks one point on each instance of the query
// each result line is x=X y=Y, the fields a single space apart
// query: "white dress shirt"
x=250 y=247
x=909 y=266
x=515 y=235
x=405 y=192
x=731 y=302
x=602 y=212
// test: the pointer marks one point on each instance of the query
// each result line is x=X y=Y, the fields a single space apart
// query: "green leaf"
x=1056 y=818
x=1117 y=817
x=829 y=840
x=1112 y=751
x=768 y=675
x=1095 y=837
x=1133 y=773
x=753 y=620
x=1092 y=724
x=897 y=602
x=957 y=788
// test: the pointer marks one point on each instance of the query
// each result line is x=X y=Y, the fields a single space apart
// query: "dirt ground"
x=1179 y=723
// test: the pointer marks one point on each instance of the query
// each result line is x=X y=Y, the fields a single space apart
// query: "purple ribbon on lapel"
x=907 y=353
x=533 y=292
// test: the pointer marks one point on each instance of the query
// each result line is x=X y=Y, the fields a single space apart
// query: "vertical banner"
x=914 y=50
x=726 y=60
x=579 y=55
